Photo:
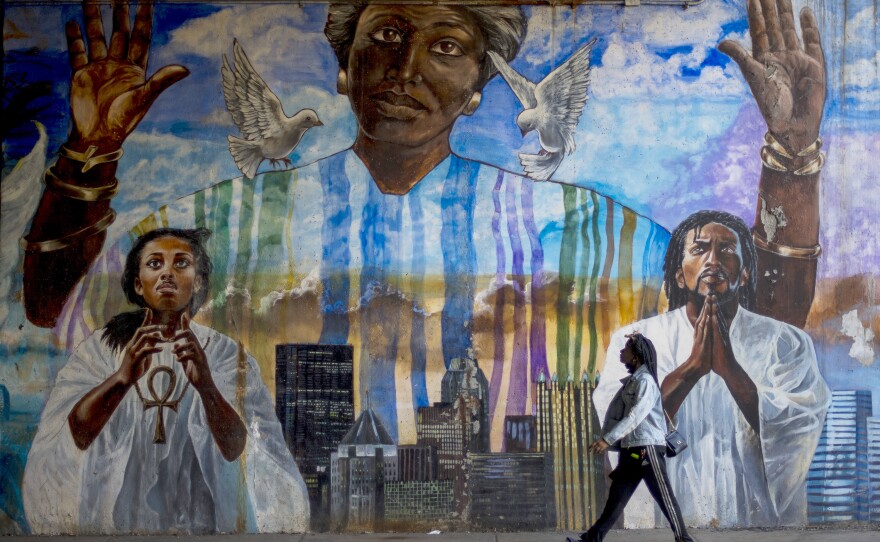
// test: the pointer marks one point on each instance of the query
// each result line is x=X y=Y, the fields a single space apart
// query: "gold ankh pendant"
x=161 y=402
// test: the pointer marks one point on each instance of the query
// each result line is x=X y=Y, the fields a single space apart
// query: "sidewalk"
x=861 y=533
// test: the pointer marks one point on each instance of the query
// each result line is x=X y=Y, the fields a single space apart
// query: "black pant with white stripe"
x=636 y=464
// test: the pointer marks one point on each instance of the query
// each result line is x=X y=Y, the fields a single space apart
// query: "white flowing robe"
x=124 y=483
x=730 y=476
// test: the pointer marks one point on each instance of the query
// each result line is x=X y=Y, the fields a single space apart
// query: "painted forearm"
x=226 y=426
x=787 y=215
x=89 y=416
x=51 y=274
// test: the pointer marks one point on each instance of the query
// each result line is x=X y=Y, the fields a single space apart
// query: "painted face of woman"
x=167 y=274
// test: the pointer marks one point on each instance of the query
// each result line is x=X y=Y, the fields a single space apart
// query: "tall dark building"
x=511 y=491
x=314 y=401
x=838 y=479
x=520 y=434
x=567 y=423
x=464 y=375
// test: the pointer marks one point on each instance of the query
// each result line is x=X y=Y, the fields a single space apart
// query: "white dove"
x=552 y=107
x=258 y=114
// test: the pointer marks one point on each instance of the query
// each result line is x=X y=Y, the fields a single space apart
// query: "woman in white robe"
x=123 y=481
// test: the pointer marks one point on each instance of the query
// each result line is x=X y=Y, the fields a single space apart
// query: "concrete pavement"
x=856 y=533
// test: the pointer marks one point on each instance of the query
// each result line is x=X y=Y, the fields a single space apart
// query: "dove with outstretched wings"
x=269 y=134
x=552 y=108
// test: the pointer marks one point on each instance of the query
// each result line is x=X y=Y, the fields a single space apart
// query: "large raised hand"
x=786 y=78
x=109 y=90
x=109 y=95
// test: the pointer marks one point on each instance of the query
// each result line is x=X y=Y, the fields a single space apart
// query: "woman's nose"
x=408 y=69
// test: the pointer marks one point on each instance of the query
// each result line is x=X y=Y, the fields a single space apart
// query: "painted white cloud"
x=863 y=73
x=860 y=28
x=631 y=69
x=258 y=28
x=862 y=349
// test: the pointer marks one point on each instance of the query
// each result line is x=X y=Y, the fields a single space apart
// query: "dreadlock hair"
x=643 y=348
x=122 y=327
x=675 y=254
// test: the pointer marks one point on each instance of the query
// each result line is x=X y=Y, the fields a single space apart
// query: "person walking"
x=635 y=418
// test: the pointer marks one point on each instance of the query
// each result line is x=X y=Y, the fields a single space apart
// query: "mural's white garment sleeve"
x=792 y=402
x=276 y=495
x=53 y=476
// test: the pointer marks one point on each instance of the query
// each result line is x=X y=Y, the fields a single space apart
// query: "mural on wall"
x=430 y=268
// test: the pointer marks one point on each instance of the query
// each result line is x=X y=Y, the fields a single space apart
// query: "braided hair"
x=643 y=349
x=675 y=254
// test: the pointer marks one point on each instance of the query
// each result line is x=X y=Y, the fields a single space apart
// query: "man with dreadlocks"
x=636 y=422
x=746 y=388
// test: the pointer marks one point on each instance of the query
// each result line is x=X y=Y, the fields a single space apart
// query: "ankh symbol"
x=161 y=402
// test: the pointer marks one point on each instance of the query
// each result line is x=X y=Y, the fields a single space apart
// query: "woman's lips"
x=398 y=106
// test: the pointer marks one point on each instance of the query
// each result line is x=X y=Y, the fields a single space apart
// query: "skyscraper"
x=566 y=424
x=365 y=460
x=314 y=401
x=463 y=375
x=874 y=469
x=837 y=482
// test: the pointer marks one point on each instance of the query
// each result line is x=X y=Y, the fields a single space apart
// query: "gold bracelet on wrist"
x=66 y=240
x=82 y=193
x=88 y=158
x=813 y=166
x=780 y=149
x=802 y=253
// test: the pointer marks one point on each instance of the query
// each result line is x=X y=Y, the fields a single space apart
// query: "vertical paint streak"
x=605 y=282
x=199 y=209
x=498 y=320
x=219 y=249
x=336 y=254
x=567 y=255
x=594 y=276
x=115 y=262
x=288 y=224
x=459 y=258
x=624 y=267
x=240 y=393
x=537 y=330
x=652 y=271
x=517 y=387
x=276 y=203
x=245 y=231
x=418 y=346
x=380 y=303
x=583 y=266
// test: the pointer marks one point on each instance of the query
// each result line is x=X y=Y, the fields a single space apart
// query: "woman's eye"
x=447 y=47
x=154 y=264
x=386 y=35
x=181 y=264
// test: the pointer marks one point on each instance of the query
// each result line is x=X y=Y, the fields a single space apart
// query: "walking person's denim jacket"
x=635 y=416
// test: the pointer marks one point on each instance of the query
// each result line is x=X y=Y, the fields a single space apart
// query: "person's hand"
x=699 y=363
x=787 y=81
x=599 y=446
x=136 y=358
x=190 y=354
x=109 y=91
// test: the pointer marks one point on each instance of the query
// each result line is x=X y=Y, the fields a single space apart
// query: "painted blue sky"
x=670 y=127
